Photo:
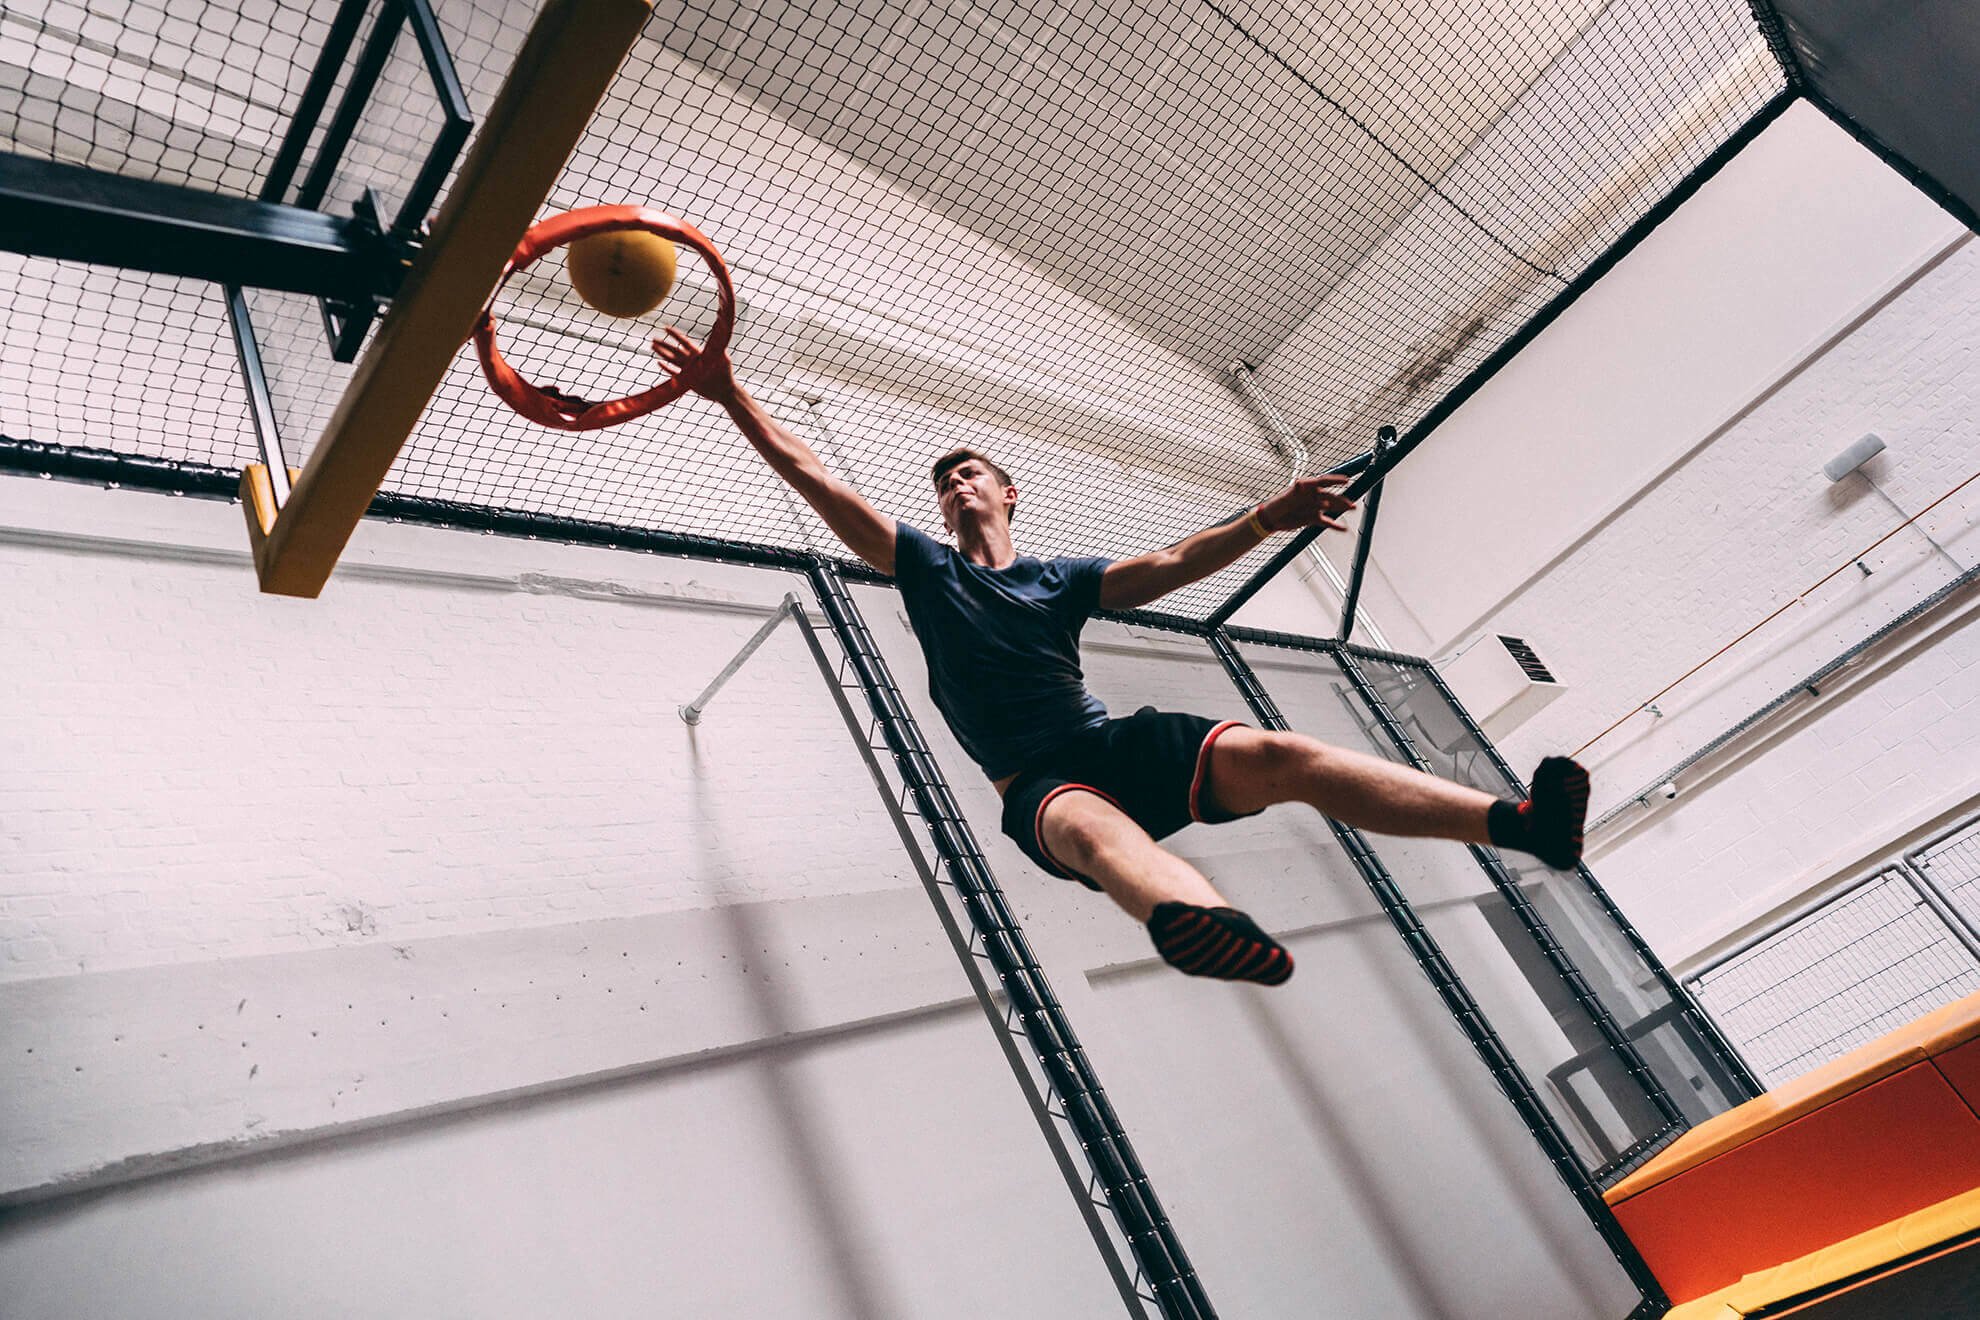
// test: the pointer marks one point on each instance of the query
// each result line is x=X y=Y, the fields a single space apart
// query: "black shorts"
x=1152 y=765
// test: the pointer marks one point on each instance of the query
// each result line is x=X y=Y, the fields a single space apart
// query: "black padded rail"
x=1150 y=1236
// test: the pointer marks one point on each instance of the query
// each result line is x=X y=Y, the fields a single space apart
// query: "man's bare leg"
x=1092 y=836
x=1194 y=929
x=1251 y=769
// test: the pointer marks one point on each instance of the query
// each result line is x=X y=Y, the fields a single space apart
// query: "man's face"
x=971 y=490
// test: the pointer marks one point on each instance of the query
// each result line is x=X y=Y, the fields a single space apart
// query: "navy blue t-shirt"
x=1002 y=646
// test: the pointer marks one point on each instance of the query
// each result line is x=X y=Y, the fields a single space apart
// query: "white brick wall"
x=1740 y=529
x=198 y=771
x=1815 y=799
x=415 y=921
x=1750 y=522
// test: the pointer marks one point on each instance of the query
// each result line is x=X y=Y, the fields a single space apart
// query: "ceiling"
x=1205 y=169
x=1046 y=226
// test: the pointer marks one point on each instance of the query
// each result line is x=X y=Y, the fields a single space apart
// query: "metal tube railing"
x=691 y=713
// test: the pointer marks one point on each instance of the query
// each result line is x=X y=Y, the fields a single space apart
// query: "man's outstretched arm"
x=1308 y=502
x=865 y=530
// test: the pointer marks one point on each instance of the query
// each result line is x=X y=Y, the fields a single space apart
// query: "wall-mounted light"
x=1851 y=460
x=1854 y=457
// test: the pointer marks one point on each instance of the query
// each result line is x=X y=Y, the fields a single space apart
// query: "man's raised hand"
x=713 y=379
x=1308 y=502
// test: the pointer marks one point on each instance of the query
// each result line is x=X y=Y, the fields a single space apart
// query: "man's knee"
x=1270 y=754
x=1080 y=829
x=1265 y=767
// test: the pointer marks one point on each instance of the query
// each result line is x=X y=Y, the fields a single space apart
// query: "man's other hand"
x=1308 y=502
x=713 y=378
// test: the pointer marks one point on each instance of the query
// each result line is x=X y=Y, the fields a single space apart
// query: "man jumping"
x=1085 y=796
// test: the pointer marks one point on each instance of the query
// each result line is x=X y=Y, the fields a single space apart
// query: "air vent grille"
x=1528 y=661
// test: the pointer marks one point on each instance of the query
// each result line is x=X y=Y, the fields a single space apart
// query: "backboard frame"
x=573 y=50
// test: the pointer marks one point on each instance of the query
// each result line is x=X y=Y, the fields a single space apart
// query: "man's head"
x=966 y=480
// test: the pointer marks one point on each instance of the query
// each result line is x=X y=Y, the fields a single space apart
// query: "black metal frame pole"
x=1525 y=335
x=316 y=94
x=1464 y=1009
x=261 y=404
x=1358 y=468
x=70 y=213
x=415 y=206
x=1694 y=1017
x=351 y=264
x=1150 y=1236
x=1370 y=509
x=364 y=76
x=347 y=320
x=1529 y=917
x=1049 y=1120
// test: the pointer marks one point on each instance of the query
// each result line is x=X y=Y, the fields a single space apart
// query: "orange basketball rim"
x=549 y=406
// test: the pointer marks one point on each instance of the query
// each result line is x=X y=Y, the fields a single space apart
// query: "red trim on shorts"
x=1038 y=832
x=1203 y=766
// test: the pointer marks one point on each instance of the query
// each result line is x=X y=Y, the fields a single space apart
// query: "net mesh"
x=1580 y=922
x=1862 y=965
x=1953 y=866
x=1600 y=1108
x=1045 y=229
x=188 y=93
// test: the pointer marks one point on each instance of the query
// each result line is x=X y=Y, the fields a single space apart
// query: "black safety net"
x=1154 y=257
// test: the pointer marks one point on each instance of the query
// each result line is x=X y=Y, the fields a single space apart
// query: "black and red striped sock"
x=1217 y=941
x=1547 y=824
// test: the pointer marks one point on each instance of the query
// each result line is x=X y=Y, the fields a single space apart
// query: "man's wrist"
x=1256 y=523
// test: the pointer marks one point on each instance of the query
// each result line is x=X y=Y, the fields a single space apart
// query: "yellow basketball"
x=624 y=273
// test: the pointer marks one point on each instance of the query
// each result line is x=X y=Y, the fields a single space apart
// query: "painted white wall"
x=411 y=929
x=1644 y=484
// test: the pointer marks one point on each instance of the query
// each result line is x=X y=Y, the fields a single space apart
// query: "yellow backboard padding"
x=258 y=502
x=549 y=96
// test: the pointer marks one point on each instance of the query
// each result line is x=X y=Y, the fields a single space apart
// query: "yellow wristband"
x=1256 y=526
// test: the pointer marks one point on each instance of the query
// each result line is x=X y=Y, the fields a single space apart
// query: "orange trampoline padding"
x=1950 y=1028
x=1872 y=1154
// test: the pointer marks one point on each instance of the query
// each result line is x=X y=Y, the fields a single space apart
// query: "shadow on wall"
x=1478 y=1108
x=837 y=1221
